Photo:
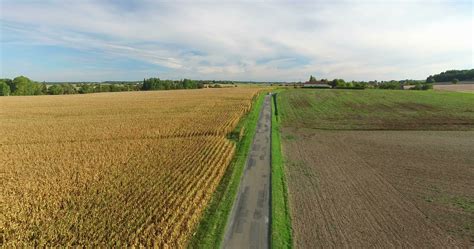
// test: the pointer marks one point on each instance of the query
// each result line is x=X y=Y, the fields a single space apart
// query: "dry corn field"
x=109 y=169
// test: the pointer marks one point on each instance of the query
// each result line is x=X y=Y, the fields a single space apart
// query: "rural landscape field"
x=236 y=124
x=379 y=168
x=113 y=169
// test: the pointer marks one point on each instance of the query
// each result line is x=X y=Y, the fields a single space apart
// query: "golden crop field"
x=132 y=168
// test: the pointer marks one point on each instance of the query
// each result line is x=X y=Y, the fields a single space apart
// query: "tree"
x=151 y=84
x=68 y=88
x=393 y=85
x=449 y=75
x=22 y=86
x=55 y=89
x=430 y=79
x=455 y=81
x=361 y=85
x=427 y=86
x=44 y=88
x=312 y=79
x=337 y=83
x=189 y=84
x=37 y=89
x=4 y=88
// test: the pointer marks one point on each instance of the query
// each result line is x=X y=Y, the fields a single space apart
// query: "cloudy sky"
x=238 y=40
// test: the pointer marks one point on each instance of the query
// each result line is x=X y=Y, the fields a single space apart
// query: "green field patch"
x=290 y=137
x=377 y=110
x=462 y=202
x=467 y=204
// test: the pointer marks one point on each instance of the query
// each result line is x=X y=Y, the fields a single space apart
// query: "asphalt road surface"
x=249 y=224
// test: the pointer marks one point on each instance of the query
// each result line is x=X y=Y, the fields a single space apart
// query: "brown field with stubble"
x=460 y=87
x=113 y=169
x=380 y=188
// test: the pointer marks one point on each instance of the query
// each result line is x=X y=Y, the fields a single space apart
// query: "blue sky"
x=63 y=40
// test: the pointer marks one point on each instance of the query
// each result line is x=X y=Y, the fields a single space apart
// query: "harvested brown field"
x=380 y=188
x=456 y=88
x=113 y=169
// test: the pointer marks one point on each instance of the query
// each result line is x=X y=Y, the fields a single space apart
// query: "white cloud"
x=257 y=40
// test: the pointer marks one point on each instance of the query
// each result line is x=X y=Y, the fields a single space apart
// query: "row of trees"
x=115 y=87
x=157 y=84
x=20 y=86
x=24 y=86
x=393 y=84
x=340 y=83
x=452 y=76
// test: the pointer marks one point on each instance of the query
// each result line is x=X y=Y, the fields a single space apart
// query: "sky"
x=82 y=40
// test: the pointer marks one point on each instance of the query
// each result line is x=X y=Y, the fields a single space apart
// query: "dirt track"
x=248 y=225
x=364 y=189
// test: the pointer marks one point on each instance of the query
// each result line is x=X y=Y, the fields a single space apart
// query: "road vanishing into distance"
x=249 y=221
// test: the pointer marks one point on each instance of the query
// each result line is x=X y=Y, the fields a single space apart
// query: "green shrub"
x=427 y=86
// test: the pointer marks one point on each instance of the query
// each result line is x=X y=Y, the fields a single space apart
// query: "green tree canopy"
x=4 y=88
x=450 y=75
x=55 y=89
x=21 y=85
x=335 y=83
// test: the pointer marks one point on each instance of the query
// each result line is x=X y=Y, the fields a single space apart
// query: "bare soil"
x=456 y=87
x=380 y=188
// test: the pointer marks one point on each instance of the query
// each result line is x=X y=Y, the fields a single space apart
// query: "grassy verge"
x=210 y=231
x=281 y=220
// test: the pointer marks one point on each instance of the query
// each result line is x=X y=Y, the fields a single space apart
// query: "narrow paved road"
x=249 y=224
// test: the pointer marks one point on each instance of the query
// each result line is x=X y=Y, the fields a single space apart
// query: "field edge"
x=281 y=230
x=210 y=230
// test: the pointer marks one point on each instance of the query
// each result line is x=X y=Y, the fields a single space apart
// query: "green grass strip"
x=281 y=219
x=211 y=228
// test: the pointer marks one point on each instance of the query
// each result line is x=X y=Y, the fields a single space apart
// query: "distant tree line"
x=452 y=76
x=392 y=85
x=22 y=85
x=108 y=87
x=340 y=83
x=157 y=84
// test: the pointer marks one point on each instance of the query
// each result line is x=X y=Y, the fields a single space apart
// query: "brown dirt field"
x=456 y=87
x=380 y=188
